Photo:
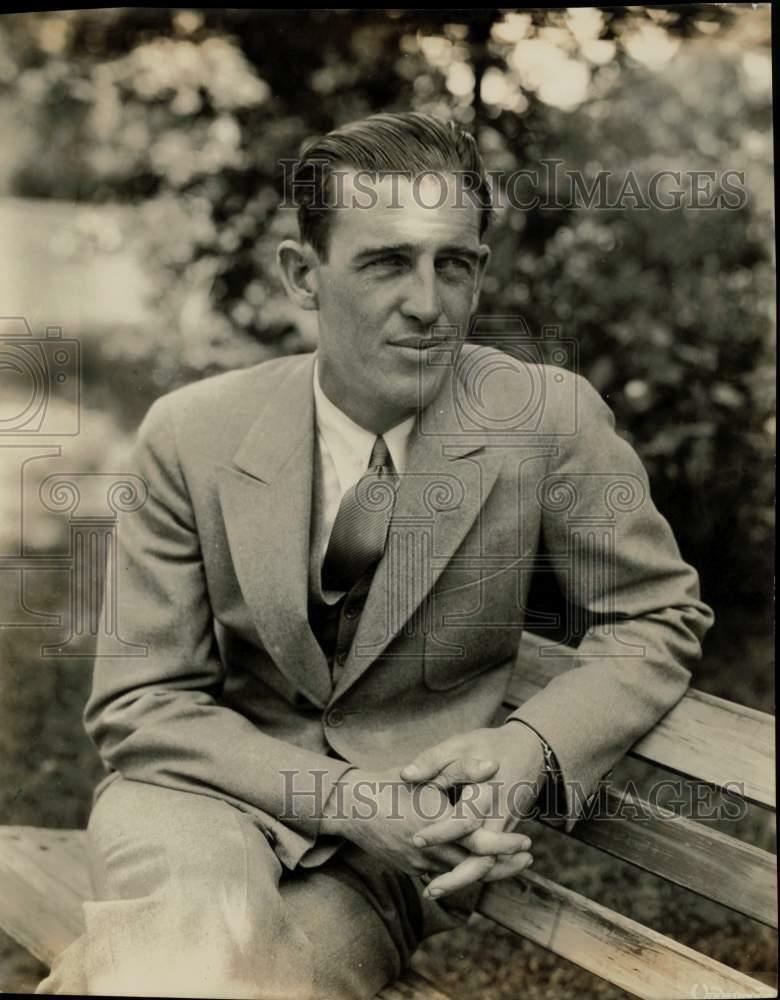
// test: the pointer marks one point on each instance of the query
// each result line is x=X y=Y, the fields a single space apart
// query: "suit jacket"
x=234 y=690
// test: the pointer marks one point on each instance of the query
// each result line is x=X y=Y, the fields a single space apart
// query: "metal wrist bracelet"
x=551 y=767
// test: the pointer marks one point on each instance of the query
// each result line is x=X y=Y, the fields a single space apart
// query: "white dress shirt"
x=344 y=450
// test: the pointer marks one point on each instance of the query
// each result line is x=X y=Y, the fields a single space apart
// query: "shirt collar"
x=349 y=444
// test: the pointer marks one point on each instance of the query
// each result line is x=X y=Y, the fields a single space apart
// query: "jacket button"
x=335 y=717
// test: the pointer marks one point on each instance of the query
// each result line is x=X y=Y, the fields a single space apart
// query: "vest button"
x=335 y=717
x=352 y=611
x=341 y=658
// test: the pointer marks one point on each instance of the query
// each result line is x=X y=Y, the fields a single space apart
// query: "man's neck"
x=375 y=418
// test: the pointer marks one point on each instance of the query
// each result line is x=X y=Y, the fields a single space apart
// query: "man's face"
x=397 y=274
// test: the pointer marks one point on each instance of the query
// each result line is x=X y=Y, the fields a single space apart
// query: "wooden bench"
x=43 y=875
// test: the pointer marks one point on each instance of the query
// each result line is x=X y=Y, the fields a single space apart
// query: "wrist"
x=338 y=809
x=551 y=788
x=544 y=759
x=515 y=727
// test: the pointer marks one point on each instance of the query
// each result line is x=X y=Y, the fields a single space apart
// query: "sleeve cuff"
x=551 y=802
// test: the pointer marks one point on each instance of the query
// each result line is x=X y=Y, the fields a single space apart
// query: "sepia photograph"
x=387 y=503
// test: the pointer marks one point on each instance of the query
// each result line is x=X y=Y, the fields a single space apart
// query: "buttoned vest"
x=334 y=625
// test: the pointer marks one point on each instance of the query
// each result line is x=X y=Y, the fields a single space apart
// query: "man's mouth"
x=423 y=343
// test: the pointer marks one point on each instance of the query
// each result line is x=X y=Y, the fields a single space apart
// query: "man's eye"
x=455 y=265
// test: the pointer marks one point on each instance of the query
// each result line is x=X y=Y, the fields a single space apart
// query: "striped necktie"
x=359 y=533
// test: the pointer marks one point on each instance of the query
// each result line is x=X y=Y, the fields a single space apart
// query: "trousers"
x=191 y=900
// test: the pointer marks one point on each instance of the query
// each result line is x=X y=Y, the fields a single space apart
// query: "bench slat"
x=37 y=908
x=693 y=855
x=51 y=858
x=703 y=737
x=616 y=948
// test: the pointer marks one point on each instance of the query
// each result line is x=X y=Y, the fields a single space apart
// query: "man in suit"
x=309 y=770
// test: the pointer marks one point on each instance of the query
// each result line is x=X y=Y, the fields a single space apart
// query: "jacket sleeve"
x=157 y=717
x=618 y=562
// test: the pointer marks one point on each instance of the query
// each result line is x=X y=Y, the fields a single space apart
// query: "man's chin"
x=416 y=392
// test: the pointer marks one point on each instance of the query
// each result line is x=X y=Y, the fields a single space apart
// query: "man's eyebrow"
x=383 y=248
x=463 y=251
x=407 y=248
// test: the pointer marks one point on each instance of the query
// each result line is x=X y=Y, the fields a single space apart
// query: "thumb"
x=468 y=771
x=430 y=762
x=446 y=770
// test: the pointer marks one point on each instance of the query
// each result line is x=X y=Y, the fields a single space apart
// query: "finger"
x=440 y=859
x=485 y=799
x=431 y=762
x=434 y=865
x=507 y=867
x=464 y=770
x=473 y=869
x=485 y=841
x=448 y=756
x=493 y=801
x=447 y=830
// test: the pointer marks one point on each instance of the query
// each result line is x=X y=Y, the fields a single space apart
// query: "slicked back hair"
x=409 y=143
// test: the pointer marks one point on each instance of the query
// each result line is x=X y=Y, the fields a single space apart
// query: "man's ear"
x=298 y=265
x=482 y=263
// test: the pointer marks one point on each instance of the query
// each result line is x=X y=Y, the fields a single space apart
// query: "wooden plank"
x=634 y=958
x=38 y=907
x=703 y=737
x=58 y=855
x=717 y=741
x=690 y=854
x=42 y=927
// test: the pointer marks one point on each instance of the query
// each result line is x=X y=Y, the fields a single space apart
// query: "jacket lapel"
x=449 y=476
x=266 y=499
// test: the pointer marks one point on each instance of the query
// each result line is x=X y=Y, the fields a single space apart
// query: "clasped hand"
x=497 y=773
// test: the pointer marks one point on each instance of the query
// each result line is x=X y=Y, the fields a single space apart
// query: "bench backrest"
x=704 y=738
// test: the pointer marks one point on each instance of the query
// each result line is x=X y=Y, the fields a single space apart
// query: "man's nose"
x=421 y=299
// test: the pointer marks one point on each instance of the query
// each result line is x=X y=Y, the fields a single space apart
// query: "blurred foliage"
x=185 y=114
